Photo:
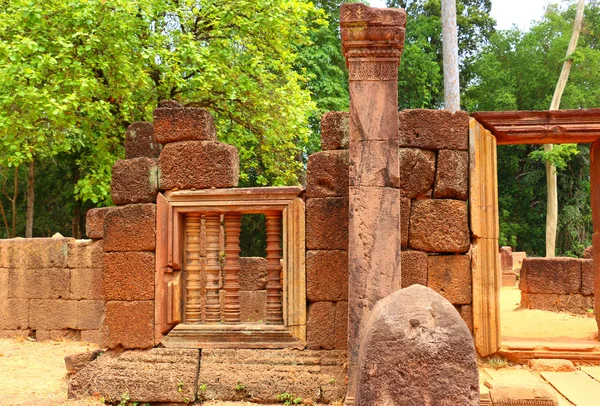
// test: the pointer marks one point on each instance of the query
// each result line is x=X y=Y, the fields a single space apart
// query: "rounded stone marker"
x=416 y=350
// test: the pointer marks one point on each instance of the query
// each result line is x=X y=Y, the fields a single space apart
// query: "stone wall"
x=50 y=288
x=557 y=284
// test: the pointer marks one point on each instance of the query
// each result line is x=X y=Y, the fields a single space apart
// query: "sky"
x=508 y=12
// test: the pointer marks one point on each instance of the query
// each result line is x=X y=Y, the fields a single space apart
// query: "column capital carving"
x=372 y=40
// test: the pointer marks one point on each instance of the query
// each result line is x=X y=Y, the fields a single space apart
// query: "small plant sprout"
x=288 y=399
x=180 y=386
x=240 y=387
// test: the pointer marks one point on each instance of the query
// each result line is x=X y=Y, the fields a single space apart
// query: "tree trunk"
x=30 y=199
x=450 y=56
x=14 y=202
x=552 y=207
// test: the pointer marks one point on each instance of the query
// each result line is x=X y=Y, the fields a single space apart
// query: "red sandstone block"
x=588 y=253
x=140 y=141
x=320 y=326
x=37 y=253
x=183 y=124
x=39 y=283
x=134 y=181
x=450 y=276
x=253 y=306
x=466 y=312
x=452 y=175
x=413 y=268
x=327 y=223
x=4 y=291
x=404 y=218
x=14 y=333
x=49 y=314
x=439 y=226
x=94 y=222
x=327 y=174
x=128 y=324
x=506 y=259
x=86 y=283
x=130 y=228
x=574 y=303
x=374 y=164
x=65 y=334
x=551 y=275
x=587 y=277
x=4 y=251
x=433 y=129
x=335 y=130
x=90 y=336
x=341 y=325
x=42 y=335
x=326 y=275
x=85 y=254
x=253 y=273
x=14 y=314
x=417 y=171
x=199 y=165
x=128 y=276
x=89 y=314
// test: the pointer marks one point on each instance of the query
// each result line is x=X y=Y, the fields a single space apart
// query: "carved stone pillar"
x=372 y=41
x=274 y=307
x=193 y=268
x=233 y=227
x=212 y=313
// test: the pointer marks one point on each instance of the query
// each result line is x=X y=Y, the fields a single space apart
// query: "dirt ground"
x=540 y=324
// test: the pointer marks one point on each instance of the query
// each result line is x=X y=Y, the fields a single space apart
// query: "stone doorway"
x=487 y=131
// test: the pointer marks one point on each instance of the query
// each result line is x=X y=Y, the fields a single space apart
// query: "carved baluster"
x=274 y=307
x=233 y=227
x=212 y=307
x=193 y=268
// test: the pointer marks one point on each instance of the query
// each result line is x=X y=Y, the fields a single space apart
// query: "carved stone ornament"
x=372 y=41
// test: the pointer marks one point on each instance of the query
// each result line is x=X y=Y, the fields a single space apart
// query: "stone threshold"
x=521 y=351
x=242 y=336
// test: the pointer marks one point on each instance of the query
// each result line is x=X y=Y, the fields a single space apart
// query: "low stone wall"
x=557 y=284
x=50 y=288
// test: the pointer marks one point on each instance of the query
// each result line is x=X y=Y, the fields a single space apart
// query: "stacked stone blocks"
x=50 y=288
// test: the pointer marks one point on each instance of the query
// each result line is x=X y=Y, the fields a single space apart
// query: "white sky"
x=509 y=12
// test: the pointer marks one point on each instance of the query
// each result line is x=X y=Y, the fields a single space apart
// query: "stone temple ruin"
x=323 y=317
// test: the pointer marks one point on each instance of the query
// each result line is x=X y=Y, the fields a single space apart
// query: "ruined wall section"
x=557 y=284
x=50 y=288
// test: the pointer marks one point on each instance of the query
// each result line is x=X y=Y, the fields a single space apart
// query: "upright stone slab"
x=417 y=350
x=372 y=41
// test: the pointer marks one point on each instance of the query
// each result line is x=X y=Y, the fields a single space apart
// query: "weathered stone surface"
x=128 y=276
x=89 y=314
x=14 y=314
x=326 y=275
x=417 y=171
x=374 y=163
x=588 y=253
x=327 y=223
x=506 y=259
x=90 y=336
x=128 y=324
x=518 y=258
x=94 y=222
x=341 y=325
x=49 y=314
x=85 y=283
x=76 y=362
x=134 y=181
x=417 y=350
x=4 y=291
x=433 y=129
x=450 y=276
x=39 y=283
x=587 y=277
x=311 y=375
x=466 y=312
x=155 y=375
x=522 y=394
x=596 y=254
x=183 y=124
x=574 y=303
x=34 y=253
x=551 y=275
x=85 y=254
x=413 y=268
x=335 y=130
x=439 y=225
x=253 y=273
x=130 y=228
x=552 y=365
x=140 y=141
x=199 y=165
x=404 y=221
x=320 y=326
x=253 y=306
x=327 y=174
x=452 y=175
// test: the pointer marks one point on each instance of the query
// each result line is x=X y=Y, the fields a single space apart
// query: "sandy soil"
x=540 y=324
